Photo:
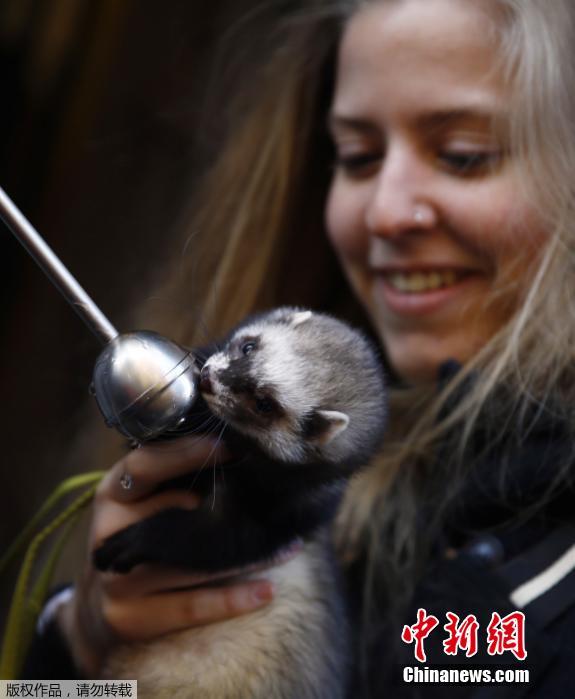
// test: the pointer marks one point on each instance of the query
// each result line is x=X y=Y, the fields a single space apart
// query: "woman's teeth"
x=417 y=282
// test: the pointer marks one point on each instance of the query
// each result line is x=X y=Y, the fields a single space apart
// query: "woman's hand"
x=109 y=608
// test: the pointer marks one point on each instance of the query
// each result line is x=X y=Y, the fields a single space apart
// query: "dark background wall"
x=103 y=134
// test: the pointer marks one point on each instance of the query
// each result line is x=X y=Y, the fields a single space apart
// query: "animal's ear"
x=300 y=317
x=323 y=425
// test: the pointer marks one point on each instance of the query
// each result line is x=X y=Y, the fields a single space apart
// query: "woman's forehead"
x=419 y=50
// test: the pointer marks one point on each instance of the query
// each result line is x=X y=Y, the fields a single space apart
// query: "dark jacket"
x=503 y=540
x=501 y=550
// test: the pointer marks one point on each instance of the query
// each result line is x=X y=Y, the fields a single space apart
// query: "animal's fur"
x=304 y=403
x=297 y=646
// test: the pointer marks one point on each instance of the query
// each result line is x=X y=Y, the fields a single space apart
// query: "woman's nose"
x=401 y=197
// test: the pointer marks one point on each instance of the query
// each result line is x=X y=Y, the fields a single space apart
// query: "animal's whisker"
x=204 y=427
x=212 y=450
x=218 y=442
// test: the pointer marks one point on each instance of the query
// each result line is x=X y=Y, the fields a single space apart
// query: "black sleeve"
x=49 y=657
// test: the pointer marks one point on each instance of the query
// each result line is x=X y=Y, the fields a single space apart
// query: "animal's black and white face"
x=262 y=384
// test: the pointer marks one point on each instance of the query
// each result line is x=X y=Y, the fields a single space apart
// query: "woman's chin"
x=419 y=365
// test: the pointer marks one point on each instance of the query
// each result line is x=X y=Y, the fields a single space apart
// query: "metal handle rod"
x=55 y=270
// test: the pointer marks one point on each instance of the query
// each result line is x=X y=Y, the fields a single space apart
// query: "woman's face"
x=425 y=210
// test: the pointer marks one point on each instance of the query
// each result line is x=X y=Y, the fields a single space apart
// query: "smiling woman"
x=450 y=210
x=425 y=209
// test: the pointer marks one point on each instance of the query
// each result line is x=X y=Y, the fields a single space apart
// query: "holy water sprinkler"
x=144 y=384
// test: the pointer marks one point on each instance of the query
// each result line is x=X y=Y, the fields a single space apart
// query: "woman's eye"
x=469 y=163
x=248 y=347
x=358 y=164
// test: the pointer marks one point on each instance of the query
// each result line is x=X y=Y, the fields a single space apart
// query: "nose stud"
x=394 y=221
x=418 y=214
x=424 y=215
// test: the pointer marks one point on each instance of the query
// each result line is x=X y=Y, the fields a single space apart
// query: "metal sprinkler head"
x=144 y=384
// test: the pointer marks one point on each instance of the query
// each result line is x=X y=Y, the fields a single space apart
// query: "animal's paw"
x=122 y=551
x=163 y=538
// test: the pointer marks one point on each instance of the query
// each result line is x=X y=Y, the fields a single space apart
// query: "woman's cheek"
x=497 y=220
x=343 y=223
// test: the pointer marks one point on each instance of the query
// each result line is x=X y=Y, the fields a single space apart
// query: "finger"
x=111 y=516
x=144 y=580
x=148 y=617
x=148 y=466
x=148 y=579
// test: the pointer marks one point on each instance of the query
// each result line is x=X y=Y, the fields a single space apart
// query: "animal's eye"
x=248 y=347
x=264 y=405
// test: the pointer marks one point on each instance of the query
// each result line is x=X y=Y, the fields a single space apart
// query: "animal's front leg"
x=194 y=539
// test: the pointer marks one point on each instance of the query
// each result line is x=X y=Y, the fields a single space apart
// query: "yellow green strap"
x=23 y=613
x=66 y=487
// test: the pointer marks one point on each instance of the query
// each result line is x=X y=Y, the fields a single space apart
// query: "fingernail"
x=262 y=592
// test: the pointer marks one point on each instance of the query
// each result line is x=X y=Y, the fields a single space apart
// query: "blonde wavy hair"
x=259 y=220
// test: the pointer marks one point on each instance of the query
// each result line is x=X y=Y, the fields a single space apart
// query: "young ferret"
x=303 y=401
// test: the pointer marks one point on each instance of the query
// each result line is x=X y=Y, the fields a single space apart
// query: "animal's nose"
x=205 y=380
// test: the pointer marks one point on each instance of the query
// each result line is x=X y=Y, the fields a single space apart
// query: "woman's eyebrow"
x=432 y=120
x=441 y=118
x=337 y=121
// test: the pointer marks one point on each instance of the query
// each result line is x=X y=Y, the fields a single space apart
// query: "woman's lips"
x=420 y=292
